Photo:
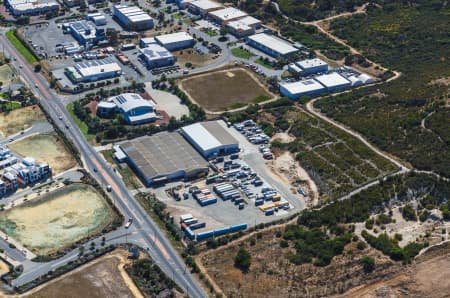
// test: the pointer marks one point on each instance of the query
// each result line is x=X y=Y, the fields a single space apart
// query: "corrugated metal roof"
x=208 y=135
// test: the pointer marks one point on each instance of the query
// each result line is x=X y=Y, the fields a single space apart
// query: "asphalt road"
x=143 y=232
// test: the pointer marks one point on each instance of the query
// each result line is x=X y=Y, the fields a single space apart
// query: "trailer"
x=184 y=217
x=197 y=226
x=208 y=202
x=205 y=235
x=221 y=231
x=259 y=202
x=269 y=212
x=189 y=233
x=238 y=227
x=190 y=221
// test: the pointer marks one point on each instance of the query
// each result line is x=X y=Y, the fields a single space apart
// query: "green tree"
x=243 y=260
x=368 y=264
x=37 y=68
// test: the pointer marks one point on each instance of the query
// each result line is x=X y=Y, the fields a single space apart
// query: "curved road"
x=146 y=233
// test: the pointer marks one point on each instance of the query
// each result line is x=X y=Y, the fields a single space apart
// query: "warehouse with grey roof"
x=163 y=157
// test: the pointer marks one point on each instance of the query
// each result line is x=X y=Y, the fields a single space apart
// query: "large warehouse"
x=132 y=17
x=312 y=66
x=226 y=15
x=301 y=88
x=175 y=41
x=271 y=45
x=202 y=7
x=333 y=81
x=164 y=157
x=30 y=7
x=155 y=55
x=91 y=71
x=210 y=138
x=244 y=27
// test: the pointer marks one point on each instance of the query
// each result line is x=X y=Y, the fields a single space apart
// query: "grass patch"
x=241 y=53
x=23 y=50
x=261 y=98
x=128 y=177
x=81 y=125
x=262 y=63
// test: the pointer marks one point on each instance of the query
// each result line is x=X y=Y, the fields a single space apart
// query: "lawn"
x=262 y=63
x=20 y=47
x=81 y=125
x=241 y=53
x=230 y=87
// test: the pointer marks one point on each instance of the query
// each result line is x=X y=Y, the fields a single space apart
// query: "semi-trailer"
x=269 y=211
x=191 y=221
x=197 y=226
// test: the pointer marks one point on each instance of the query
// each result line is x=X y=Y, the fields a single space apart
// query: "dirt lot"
x=232 y=88
x=272 y=275
x=19 y=119
x=6 y=74
x=57 y=219
x=45 y=148
x=190 y=55
x=4 y=268
x=101 y=278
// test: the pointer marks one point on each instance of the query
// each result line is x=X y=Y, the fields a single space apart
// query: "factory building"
x=271 y=45
x=132 y=17
x=333 y=81
x=175 y=41
x=146 y=41
x=164 y=157
x=30 y=7
x=244 y=27
x=298 y=89
x=155 y=56
x=202 y=7
x=182 y=4
x=210 y=138
x=134 y=109
x=311 y=66
x=84 y=32
x=226 y=15
x=97 y=18
x=92 y=71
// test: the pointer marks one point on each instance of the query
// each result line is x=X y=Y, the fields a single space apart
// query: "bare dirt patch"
x=58 y=219
x=191 y=56
x=19 y=119
x=4 y=268
x=45 y=148
x=6 y=74
x=225 y=89
x=104 y=277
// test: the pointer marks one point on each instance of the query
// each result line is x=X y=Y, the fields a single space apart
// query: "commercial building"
x=202 y=7
x=312 y=66
x=271 y=45
x=244 y=27
x=210 y=138
x=163 y=157
x=134 y=109
x=72 y=3
x=30 y=7
x=301 y=88
x=146 y=41
x=97 y=18
x=366 y=79
x=226 y=15
x=92 y=71
x=132 y=17
x=84 y=32
x=182 y=4
x=333 y=81
x=175 y=41
x=155 y=56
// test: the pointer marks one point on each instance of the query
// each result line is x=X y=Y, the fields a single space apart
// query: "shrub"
x=243 y=260
x=368 y=264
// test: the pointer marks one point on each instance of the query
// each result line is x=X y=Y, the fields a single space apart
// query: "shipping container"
x=198 y=225
x=189 y=233
x=266 y=189
x=234 y=156
x=184 y=217
x=191 y=221
x=257 y=183
x=238 y=227
x=205 y=235
x=208 y=202
x=241 y=206
x=183 y=226
x=238 y=201
x=269 y=211
x=259 y=202
x=222 y=231
x=268 y=206
x=276 y=198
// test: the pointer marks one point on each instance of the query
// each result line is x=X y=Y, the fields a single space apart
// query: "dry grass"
x=225 y=89
x=19 y=119
x=190 y=55
x=45 y=148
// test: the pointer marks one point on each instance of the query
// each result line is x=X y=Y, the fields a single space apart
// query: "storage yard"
x=231 y=88
x=45 y=148
x=20 y=119
x=57 y=219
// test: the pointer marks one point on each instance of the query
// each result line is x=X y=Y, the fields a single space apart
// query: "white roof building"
x=366 y=79
x=175 y=41
x=246 y=24
x=204 y=6
x=227 y=14
x=156 y=55
x=272 y=45
x=333 y=81
x=310 y=66
x=298 y=89
x=29 y=7
x=93 y=70
x=145 y=41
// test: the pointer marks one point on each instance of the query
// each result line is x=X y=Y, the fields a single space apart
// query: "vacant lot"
x=57 y=219
x=104 y=277
x=6 y=74
x=191 y=56
x=45 y=148
x=225 y=89
x=19 y=119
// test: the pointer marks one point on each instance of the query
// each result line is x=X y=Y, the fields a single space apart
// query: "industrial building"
x=312 y=66
x=298 y=89
x=202 y=7
x=92 y=71
x=97 y=18
x=244 y=27
x=333 y=81
x=175 y=41
x=30 y=7
x=134 y=109
x=271 y=45
x=210 y=138
x=146 y=41
x=226 y=15
x=155 y=56
x=164 y=157
x=132 y=17
x=84 y=32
